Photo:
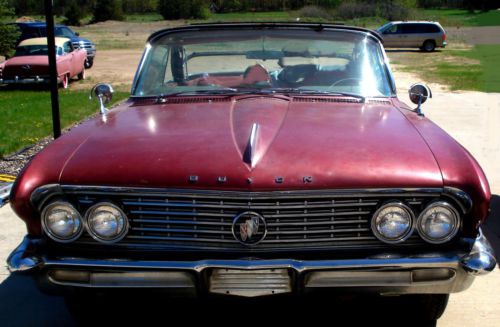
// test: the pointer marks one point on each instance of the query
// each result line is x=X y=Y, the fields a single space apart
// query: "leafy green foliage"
x=8 y=33
x=73 y=14
x=107 y=10
x=179 y=9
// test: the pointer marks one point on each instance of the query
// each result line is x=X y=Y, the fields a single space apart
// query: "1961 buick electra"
x=258 y=159
x=30 y=64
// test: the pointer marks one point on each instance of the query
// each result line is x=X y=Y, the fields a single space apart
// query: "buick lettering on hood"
x=256 y=159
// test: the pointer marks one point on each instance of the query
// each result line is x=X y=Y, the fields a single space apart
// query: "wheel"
x=82 y=74
x=89 y=63
x=65 y=81
x=427 y=308
x=429 y=46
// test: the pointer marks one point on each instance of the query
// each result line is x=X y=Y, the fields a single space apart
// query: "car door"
x=412 y=35
x=392 y=36
x=66 y=59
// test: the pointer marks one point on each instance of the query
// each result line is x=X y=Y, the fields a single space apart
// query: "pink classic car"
x=30 y=64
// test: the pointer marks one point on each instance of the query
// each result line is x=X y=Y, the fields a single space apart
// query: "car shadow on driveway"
x=492 y=226
x=23 y=305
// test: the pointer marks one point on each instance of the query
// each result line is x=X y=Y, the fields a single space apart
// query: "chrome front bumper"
x=387 y=273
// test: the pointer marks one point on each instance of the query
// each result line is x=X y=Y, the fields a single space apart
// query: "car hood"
x=78 y=39
x=253 y=143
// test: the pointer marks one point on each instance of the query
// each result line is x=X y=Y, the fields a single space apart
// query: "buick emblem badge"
x=249 y=228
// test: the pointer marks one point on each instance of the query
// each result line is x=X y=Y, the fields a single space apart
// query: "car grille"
x=203 y=219
x=86 y=45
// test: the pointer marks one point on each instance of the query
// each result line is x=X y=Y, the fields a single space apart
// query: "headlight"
x=393 y=222
x=106 y=222
x=62 y=222
x=438 y=223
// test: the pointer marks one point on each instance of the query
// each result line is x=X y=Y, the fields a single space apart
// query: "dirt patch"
x=117 y=67
x=475 y=35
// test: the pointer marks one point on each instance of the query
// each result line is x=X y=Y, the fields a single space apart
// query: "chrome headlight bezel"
x=96 y=236
x=449 y=236
x=54 y=236
x=407 y=233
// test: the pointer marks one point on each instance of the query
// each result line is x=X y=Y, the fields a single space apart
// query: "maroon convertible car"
x=258 y=159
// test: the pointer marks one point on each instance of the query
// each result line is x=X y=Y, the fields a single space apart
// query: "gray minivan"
x=424 y=35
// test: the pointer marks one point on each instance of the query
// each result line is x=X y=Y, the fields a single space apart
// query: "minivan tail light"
x=444 y=36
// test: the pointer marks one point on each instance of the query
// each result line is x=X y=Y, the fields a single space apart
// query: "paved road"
x=472 y=118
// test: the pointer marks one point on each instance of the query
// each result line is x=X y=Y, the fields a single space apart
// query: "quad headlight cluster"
x=394 y=222
x=105 y=222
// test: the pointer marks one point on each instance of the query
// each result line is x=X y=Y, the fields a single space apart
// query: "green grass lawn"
x=475 y=69
x=26 y=114
x=488 y=71
x=456 y=17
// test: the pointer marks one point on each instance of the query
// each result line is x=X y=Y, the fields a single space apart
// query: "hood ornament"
x=251 y=148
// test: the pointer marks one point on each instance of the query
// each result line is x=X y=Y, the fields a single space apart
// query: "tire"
x=82 y=74
x=65 y=81
x=429 y=46
x=89 y=63
x=426 y=308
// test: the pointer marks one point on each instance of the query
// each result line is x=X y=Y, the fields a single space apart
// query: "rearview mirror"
x=104 y=93
x=419 y=93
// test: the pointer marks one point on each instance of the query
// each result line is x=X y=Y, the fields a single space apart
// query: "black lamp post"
x=51 y=44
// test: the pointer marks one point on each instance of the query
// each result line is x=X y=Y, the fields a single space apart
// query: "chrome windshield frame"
x=284 y=26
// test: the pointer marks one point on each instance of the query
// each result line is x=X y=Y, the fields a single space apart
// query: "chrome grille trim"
x=201 y=219
x=187 y=219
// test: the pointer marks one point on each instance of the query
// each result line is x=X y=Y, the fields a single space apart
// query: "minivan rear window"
x=419 y=28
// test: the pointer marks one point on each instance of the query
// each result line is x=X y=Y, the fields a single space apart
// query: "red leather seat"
x=256 y=74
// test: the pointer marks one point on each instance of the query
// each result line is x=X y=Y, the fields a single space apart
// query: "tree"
x=107 y=10
x=73 y=14
x=8 y=33
x=177 y=9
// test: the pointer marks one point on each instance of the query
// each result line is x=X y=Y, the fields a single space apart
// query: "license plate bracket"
x=250 y=282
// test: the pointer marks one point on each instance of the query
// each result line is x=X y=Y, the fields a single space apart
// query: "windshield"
x=34 y=50
x=264 y=60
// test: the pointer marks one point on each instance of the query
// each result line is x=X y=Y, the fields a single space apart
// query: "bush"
x=179 y=9
x=387 y=9
x=73 y=14
x=107 y=10
x=314 y=12
x=351 y=10
x=8 y=33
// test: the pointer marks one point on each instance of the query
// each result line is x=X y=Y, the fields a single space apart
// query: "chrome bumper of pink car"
x=388 y=274
x=35 y=80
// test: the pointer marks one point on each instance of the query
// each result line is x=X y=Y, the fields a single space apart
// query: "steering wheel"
x=337 y=83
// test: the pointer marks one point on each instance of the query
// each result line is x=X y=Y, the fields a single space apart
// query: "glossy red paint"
x=340 y=145
x=70 y=64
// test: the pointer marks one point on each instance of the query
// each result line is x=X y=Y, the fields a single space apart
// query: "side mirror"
x=77 y=34
x=104 y=93
x=419 y=93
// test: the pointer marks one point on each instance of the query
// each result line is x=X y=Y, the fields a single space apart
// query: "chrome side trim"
x=43 y=193
x=40 y=194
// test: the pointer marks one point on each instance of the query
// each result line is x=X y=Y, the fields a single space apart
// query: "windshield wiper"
x=220 y=91
x=309 y=91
